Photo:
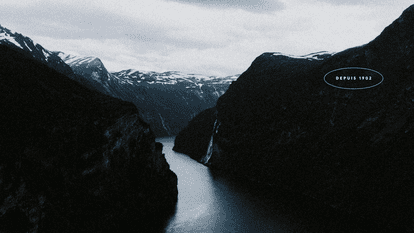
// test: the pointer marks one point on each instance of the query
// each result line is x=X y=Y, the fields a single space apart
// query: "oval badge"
x=353 y=78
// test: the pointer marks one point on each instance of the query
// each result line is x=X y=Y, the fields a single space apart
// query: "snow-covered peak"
x=19 y=41
x=12 y=38
x=7 y=35
x=9 y=31
x=135 y=72
x=77 y=60
x=312 y=56
x=89 y=65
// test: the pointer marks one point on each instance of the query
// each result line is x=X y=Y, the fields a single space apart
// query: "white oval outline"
x=350 y=88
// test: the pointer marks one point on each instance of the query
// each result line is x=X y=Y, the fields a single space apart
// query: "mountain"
x=167 y=101
x=281 y=124
x=73 y=159
x=90 y=71
x=18 y=41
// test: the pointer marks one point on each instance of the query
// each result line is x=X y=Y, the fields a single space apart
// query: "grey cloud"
x=351 y=2
x=69 y=22
x=255 y=6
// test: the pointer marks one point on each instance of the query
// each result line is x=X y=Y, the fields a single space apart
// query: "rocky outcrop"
x=75 y=160
x=281 y=124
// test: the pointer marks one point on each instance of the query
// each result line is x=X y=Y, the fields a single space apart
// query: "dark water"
x=211 y=202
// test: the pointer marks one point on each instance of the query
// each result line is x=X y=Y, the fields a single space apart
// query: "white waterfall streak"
x=163 y=124
x=210 y=145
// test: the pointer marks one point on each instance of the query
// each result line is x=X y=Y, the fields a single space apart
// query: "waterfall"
x=163 y=124
x=210 y=145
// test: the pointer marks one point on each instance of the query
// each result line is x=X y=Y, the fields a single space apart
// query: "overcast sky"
x=211 y=37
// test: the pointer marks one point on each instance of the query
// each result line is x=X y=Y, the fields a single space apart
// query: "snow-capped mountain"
x=166 y=100
x=18 y=41
x=173 y=77
x=90 y=66
x=176 y=78
x=90 y=70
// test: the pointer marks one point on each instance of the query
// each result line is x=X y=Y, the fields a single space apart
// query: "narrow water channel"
x=211 y=202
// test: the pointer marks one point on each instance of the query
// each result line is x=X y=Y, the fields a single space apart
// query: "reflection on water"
x=208 y=201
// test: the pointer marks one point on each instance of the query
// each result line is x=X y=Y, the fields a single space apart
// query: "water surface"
x=211 y=202
x=207 y=203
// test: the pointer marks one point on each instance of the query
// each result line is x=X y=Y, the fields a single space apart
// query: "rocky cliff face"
x=167 y=101
x=281 y=124
x=75 y=160
x=199 y=128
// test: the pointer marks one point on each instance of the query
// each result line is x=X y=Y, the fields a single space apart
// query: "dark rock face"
x=200 y=129
x=75 y=160
x=281 y=124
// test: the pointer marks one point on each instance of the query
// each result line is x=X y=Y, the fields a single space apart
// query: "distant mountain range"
x=281 y=124
x=167 y=101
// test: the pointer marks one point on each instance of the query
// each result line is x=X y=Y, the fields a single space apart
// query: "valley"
x=277 y=148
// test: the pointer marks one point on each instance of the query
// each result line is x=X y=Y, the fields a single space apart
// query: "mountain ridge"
x=167 y=100
x=17 y=40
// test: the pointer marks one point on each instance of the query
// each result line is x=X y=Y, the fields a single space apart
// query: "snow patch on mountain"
x=19 y=41
x=173 y=78
x=4 y=36
x=27 y=46
x=311 y=56
x=76 y=60
x=46 y=54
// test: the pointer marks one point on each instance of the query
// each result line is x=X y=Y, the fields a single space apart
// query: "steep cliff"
x=282 y=124
x=75 y=160
x=199 y=128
